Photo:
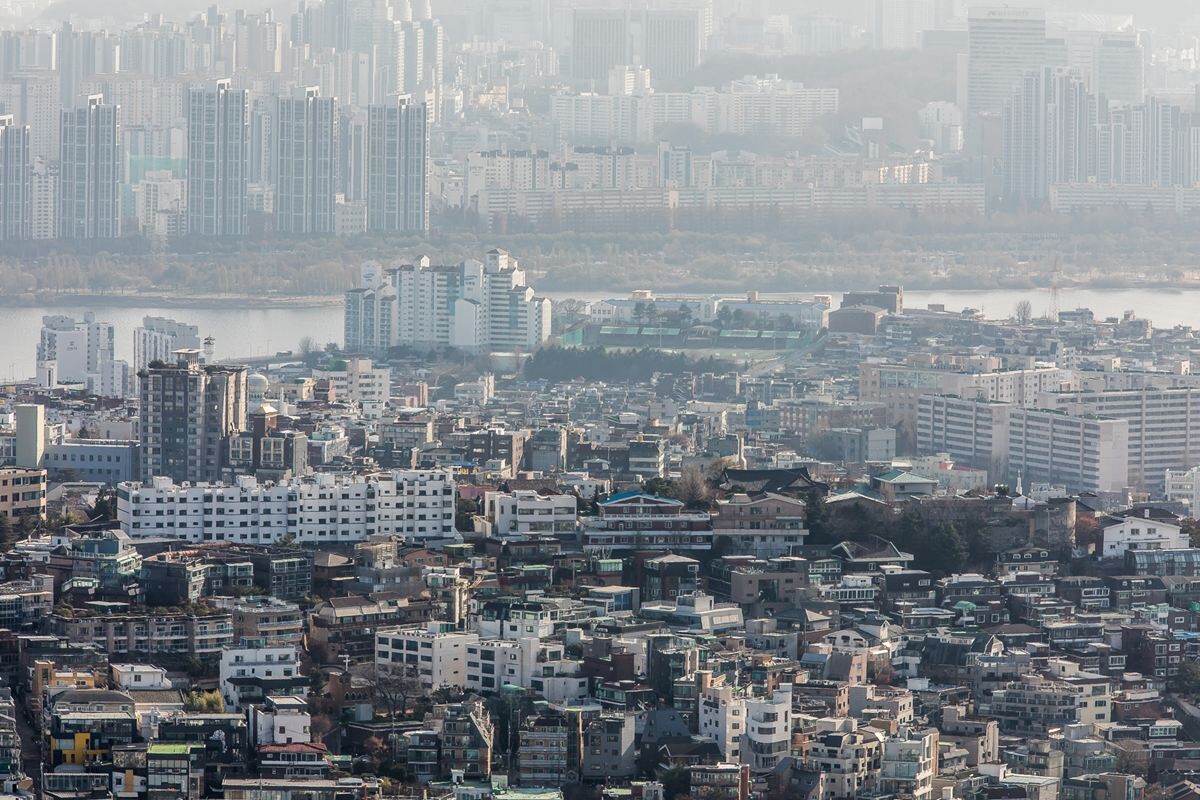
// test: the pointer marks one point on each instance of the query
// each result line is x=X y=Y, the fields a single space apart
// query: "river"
x=246 y=332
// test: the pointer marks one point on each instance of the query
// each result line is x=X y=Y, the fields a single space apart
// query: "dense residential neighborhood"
x=939 y=556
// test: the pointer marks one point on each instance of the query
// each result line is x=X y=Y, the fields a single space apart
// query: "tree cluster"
x=204 y=702
x=596 y=363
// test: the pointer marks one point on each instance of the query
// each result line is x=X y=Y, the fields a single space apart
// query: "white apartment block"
x=416 y=505
x=473 y=306
x=159 y=204
x=370 y=311
x=159 y=338
x=900 y=386
x=1163 y=424
x=969 y=431
x=591 y=117
x=434 y=653
x=531 y=662
x=79 y=348
x=1083 y=453
x=361 y=381
x=768 y=735
x=111 y=379
x=1183 y=486
x=722 y=718
x=527 y=512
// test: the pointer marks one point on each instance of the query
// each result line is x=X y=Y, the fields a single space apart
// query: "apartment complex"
x=472 y=306
x=415 y=505
x=1085 y=453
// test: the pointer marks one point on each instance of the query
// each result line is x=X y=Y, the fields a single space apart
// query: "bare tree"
x=309 y=349
x=392 y=685
x=1024 y=312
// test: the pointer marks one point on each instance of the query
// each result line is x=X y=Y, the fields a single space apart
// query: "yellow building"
x=22 y=491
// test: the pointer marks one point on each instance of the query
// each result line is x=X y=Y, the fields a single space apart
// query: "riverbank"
x=142 y=300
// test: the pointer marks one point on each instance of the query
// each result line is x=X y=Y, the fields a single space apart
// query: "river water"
x=240 y=332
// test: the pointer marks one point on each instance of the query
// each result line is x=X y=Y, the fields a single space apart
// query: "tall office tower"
x=262 y=141
x=187 y=415
x=1003 y=44
x=1048 y=134
x=159 y=338
x=672 y=40
x=16 y=173
x=90 y=168
x=306 y=127
x=599 y=42
x=218 y=160
x=398 y=167
x=1120 y=68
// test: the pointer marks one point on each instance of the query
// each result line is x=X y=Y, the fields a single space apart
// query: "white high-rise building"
x=79 y=348
x=159 y=338
x=397 y=174
x=43 y=190
x=359 y=381
x=1085 y=450
x=474 y=306
x=369 y=312
x=306 y=154
x=218 y=120
x=15 y=199
x=90 y=171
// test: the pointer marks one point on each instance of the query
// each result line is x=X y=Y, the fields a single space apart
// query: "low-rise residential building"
x=268 y=619
x=22 y=493
x=435 y=653
x=1145 y=528
x=250 y=674
x=200 y=635
x=638 y=521
x=763 y=524
x=525 y=511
